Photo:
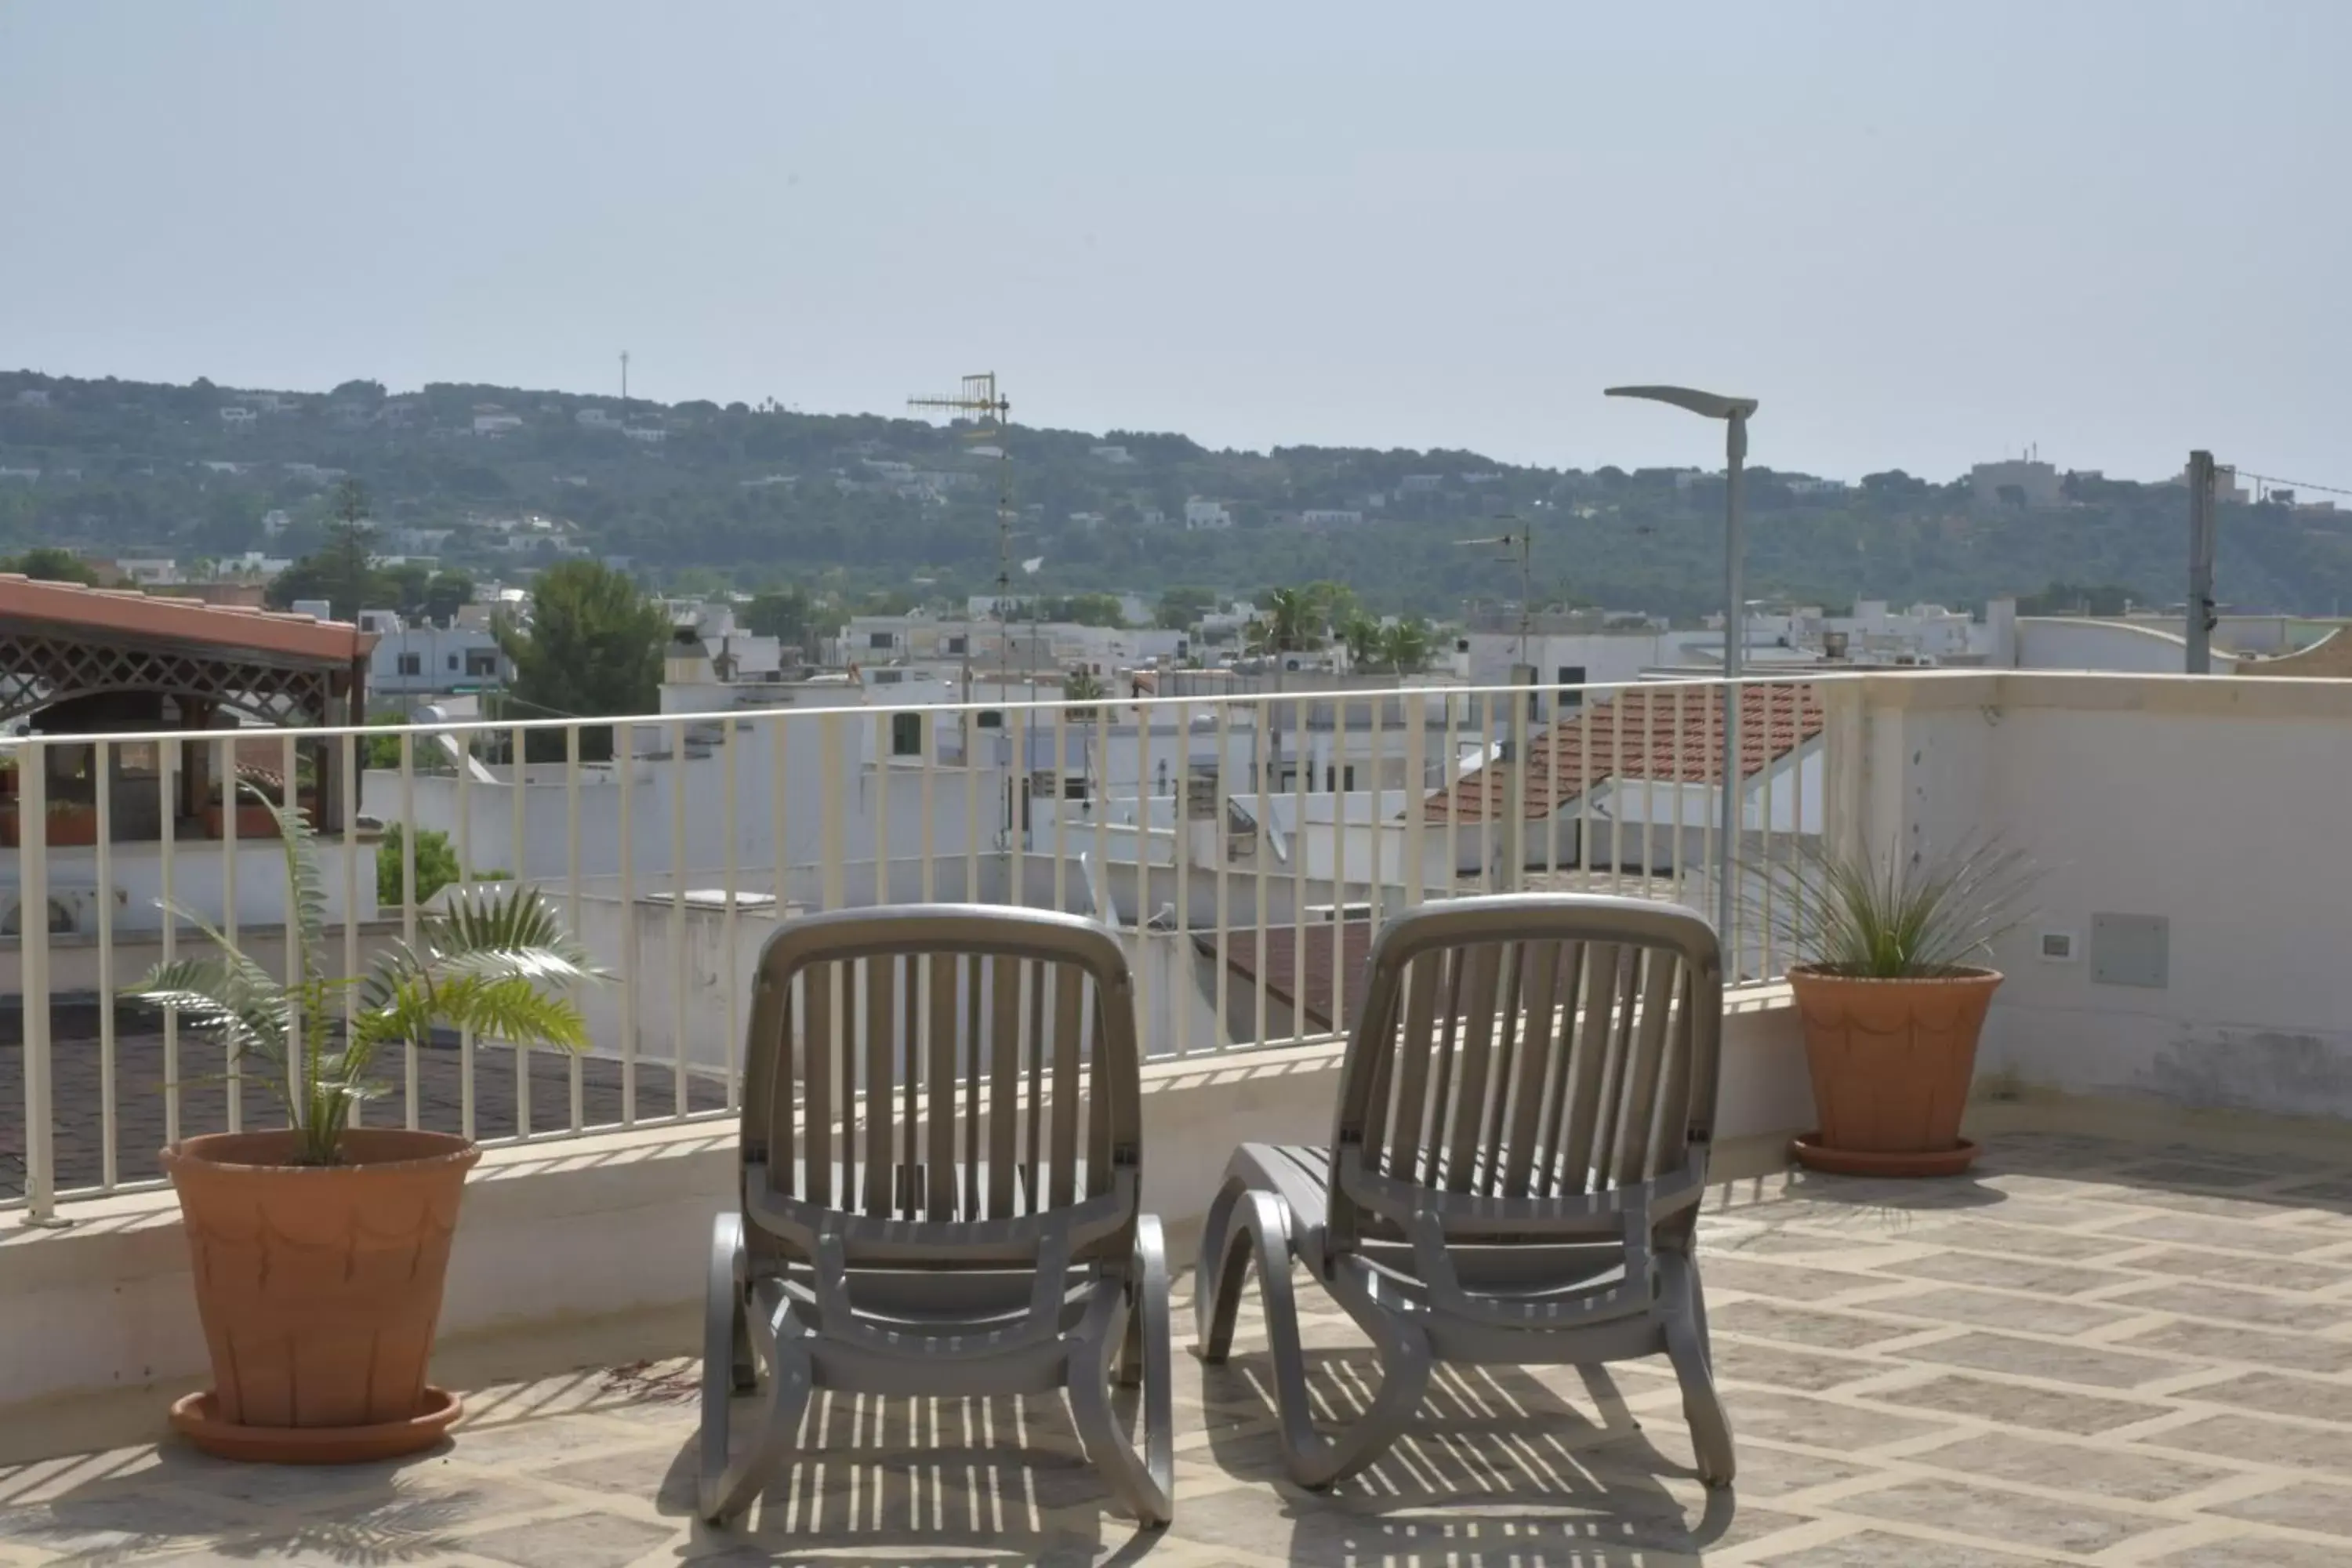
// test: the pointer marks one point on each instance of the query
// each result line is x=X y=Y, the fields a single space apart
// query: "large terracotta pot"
x=1891 y=1062
x=319 y=1290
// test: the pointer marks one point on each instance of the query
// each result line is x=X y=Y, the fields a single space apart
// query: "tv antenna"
x=1516 y=543
x=991 y=412
x=625 y=378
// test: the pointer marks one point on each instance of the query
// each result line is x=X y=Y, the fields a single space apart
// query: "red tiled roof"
x=148 y=618
x=1667 y=733
x=1351 y=940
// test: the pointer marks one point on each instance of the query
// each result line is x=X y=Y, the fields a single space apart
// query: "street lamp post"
x=1734 y=412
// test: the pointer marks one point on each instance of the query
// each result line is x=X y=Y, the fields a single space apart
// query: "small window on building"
x=905 y=735
x=880 y=639
x=482 y=661
x=887 y=677
x=958 y=645
x=412 y=664
x=990 y=719
x=453 y=661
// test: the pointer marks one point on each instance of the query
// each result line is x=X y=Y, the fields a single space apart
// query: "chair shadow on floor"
x=1001 y=1479
x=1497 y=1467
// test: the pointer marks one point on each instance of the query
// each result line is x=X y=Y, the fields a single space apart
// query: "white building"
x=1200 y=515
x=651 y=435
x=237 y=417
x=1114 y=454
x=2022 y=481
x=496 y=424
x=1329 y=517
x=415 y=662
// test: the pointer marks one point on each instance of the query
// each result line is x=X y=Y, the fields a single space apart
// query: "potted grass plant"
x=319 y=1248
x=1892 y=985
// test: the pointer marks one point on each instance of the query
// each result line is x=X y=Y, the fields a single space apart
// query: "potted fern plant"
x=1891 y=987
x=319 y=1248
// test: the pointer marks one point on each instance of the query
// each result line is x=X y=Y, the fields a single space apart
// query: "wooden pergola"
x=96 y=661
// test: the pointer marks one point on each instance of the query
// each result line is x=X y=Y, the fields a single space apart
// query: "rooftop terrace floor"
x=2091 y=1352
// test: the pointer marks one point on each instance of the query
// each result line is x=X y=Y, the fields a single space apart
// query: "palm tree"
x=1082 y=685
x=1289 y=626
x=495 y=964
x=1406 y=646
x=1364 y=639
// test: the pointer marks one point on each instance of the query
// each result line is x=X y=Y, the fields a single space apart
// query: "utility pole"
x=2201 y=563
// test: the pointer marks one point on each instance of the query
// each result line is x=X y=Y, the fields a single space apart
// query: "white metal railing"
x=1248 y=846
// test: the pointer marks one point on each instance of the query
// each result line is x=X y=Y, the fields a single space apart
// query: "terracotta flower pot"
x=1891 y=1062
x=319 y=1290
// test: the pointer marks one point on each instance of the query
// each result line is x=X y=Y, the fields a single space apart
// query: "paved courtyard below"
x=2091 y=1352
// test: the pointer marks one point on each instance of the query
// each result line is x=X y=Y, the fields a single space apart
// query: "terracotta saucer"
x=197 y=1418
x=1815 y=1155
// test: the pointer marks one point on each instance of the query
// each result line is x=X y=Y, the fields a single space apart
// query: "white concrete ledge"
x=558 y=1237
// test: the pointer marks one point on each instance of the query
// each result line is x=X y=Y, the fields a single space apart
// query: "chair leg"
x=727 y=1483
x=1217 y=1278
x=1262 y=1235
x=1684 y=1308
x=1131 y=1326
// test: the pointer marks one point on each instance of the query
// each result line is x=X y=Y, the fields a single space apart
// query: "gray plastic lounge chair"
x=1516 y=1175
x=941 y=1187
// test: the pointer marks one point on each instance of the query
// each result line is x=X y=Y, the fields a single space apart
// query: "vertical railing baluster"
x=349 y=755
x=1181 y=858
x=832 y=847
x=225 y=760
x=1772 y=695
x=1262 y=793
x=728 y=889
x=679 y=871
x=1224 y=866
x=33 y=951
x=410 y=1066
x=461 y=743
x=519 y=866
x=291 y=799
x=575 y=1070
x=1301 y=765
x=1417 y=797
x=624 y=762
x=109 y=1168
x=168 y=770
x=1061 y=805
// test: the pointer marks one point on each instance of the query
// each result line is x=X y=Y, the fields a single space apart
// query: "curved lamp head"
x=1707 y=404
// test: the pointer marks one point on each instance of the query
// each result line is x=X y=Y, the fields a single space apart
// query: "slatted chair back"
x=938 y=1083
x=1526 y=1047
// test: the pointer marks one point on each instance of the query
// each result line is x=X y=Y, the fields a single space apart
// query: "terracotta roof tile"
x=1668 y=733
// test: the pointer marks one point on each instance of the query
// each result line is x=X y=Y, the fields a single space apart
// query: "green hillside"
x=749 y=497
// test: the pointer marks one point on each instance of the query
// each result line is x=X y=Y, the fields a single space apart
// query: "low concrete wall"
x=617 y=1225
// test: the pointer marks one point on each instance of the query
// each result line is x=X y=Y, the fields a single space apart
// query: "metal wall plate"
x=2131 y=950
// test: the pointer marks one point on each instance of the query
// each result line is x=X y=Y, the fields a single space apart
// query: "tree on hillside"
x=342 y=571
x=2076 y=599
x=445 y=594
x=47 y=563
x=592 y=647
x=1181 y=609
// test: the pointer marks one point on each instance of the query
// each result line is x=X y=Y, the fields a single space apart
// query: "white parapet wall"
x=617 y=1225
x=2187 y=942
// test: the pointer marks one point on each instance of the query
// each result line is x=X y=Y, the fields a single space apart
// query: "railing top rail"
x=1236 y=699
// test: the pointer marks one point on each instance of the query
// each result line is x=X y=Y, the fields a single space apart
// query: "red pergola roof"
x=98 y=614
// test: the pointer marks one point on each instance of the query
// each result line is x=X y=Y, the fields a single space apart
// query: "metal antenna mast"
x=1519 y=541
x=981 y=401
x=625 y=378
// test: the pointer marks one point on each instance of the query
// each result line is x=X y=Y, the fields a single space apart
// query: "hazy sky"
x=1923 y=234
